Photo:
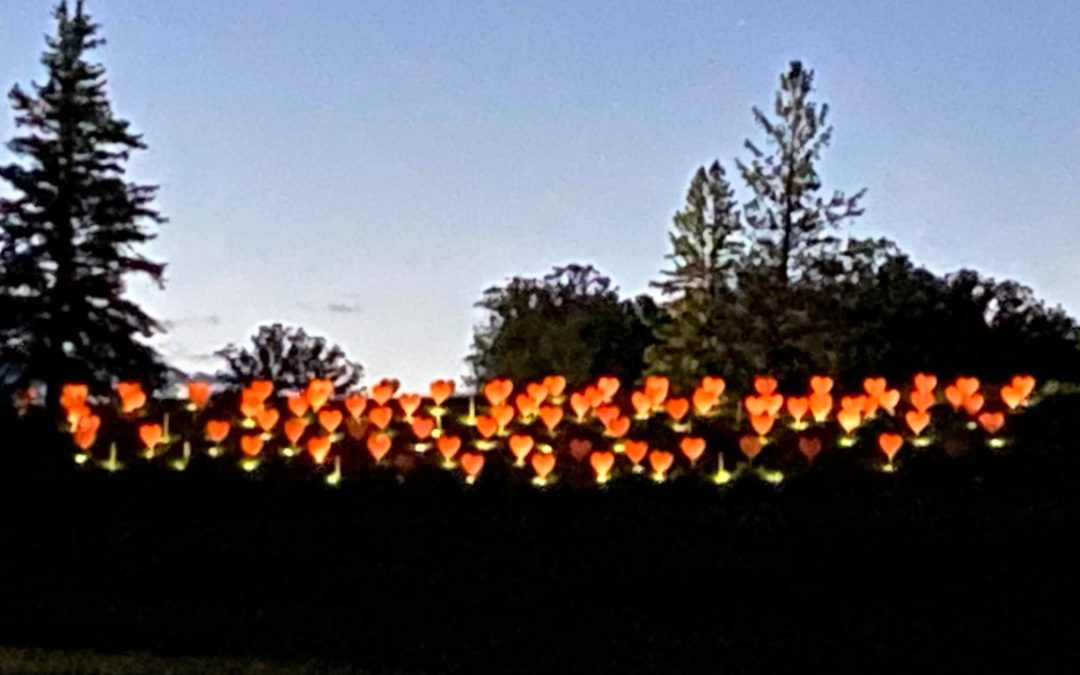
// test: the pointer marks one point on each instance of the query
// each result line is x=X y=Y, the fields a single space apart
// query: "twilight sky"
x=367 y=169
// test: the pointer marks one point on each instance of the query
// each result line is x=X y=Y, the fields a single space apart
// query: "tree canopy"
x=290 y=358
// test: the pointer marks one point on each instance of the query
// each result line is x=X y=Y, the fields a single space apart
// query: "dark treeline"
x=775 y=284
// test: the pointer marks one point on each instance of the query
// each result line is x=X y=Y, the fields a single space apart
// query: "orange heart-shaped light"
x=601 y=462
x=355 y=404
x=381 y=416
x=555 y=385
x=713 y=385
x=992 y=422
x=551 y=416
x=543 y=464
x=1010 y=396
x=922 y=399
x=262 y=389
x=692 y=447
x=917 y=420
x=267 y=418
x=378 y=444
x=849 y=418
x=217 y=430
x=656 y=389
x=330 y=420
x=502 y=413
x=318 y=392
x=527 y=406
x=821 y=404
x=250 y=403
x=797 y=407
x=750 y=446
x=580 y=405
x=73 y=395
x=765 y=384
x=890 y=444
x=251 y=444
x=820 y=384
x=297 y=404
x=319 y=447
x=954 y=396
x=384 y=391
x=973 y=403
x=294 y=429
x=198 y=392
x=486 y=425
x=606 y=413
x=617 y=427
x=762 y=424
x=150 y=435
x=967 y=385
x=635 y=451
x=889 y=399
x=595 y=396
x=641 y=403
x=472 y=463
x=677 y=408
x=132 y=396
x=874 y=386
x=537 y=392
x=609 y=386
x=497 y=391
x=704 y=400
x=409 y=403
x=809 y=447
x=924 y=382
x=1024 y=384
x=448 y=446
x=661 y=461
x=422 y=427
x=520 y=446
x=441 y=390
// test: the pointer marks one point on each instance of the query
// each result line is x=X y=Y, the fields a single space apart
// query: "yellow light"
x=469 y=480
x=539 y=482
x=289 y=451
x=888 y=468
x=972 y=425
x=334 y=477
x=721 y=477
x=448 y=464
x=846 y=441
x=215 y=451
x=421 y=447
x=799 y=425
x=485 y=445
x=249 y=464
x=997 y=442
x=81 y=458
x=602 y=478
x=248 y=423
x=658 y=477
x=112 y=464
x=773 y=477
x=921 y=441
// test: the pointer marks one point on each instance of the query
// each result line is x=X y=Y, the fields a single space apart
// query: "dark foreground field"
x=952 y=564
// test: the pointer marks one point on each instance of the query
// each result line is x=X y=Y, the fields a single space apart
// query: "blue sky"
x=367 y=169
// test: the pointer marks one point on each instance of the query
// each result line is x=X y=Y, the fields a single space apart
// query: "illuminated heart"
x=641 y=403
x=262 y=389
x=85 y=438
x=797 y=407
x=656 y=389
x=384 y=391
x=750 y=446
x=809 y=447
x=217 y=430
x=355 y=404
x=677 y=408
x=502 y=413
x=543 y=464
x=1024 y=384
x=661 y=461
x=441 y=390
x=267 y=418
x=251 y=444
x=520 y=446
x=821 y=404
x=381 y=416
x=318 y=392
x=595 y=396
x=704 y=400
x=579 y=447
x=713 y=385
x=925 y=383
x=967 y=385
x=609 y=386
x=992 y=421
x=849 y=419
x=536 y=391
x=318 y=447
x=472 y=463
x=820 y=384
x=1010 y=396
x=973 y=403
x=551 y=416
x=889 y=399
x=250 y=403
x=294 y=429
x=773 y=403
x=874 y=386
x=917 y=420
x=764 y=385
x=762 y=423
x=297 y=405
x=74 y=414
x=150 y=434
x=635 y=451
x=606 y=413
x=922 y=399
x=618 y=427
x=422 y=427
x=487 y=426
x=409 y=403
x=692 y=447
x=330 y=420
x=497 y=391
x=448 y=446
x=73 y=395
x=132 y=396
x=755 y=405
x=378 y=444
x=890 y=444
x=954 y=396
x=580 y=405
x=198 y=393
x=526 y=405
x=869 y=405
x=555 y=385
x=601 y=462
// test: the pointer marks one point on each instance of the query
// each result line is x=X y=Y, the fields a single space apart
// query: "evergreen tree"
x=290 y=358
x=70 y=232
x=706 y=250
x=792 y=221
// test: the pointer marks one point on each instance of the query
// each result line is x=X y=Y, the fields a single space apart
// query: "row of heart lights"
x=529 y=422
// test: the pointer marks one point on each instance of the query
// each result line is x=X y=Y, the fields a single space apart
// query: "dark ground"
x=952 y=564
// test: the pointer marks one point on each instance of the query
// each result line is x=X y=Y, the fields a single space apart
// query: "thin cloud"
x=192 y=320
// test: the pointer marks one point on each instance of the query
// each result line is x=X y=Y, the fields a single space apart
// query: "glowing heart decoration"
x=486 y=425
x=888 y=400
x=551 y=415
x=594 y=396
x=820 y=384
x=1024 y=385
x=917 y=420
x=318 y=392
x=503 y=414
x=198 y=393
x=555 y=385
x=797 y=407
x=381 y=416
x=261 y=389
x=635 y=451
x=925 y=383
x=409 y=403
x=297 y=404
x=319 y=448
x=656 y=389
x=355 y=405
x=609 y=386
x=497 y=391
x=617 y=427
x=809 y=447
x=537 y=392
x=448 y=447
x=602 y=461
x=606 y=413
x=527 y=406
x=384 y=391
x=378 y=445
x=294 y=428
x=992 y=422
x=890 y=444
x=973 y=403
x=874 y=386
x=73 y=395
x=660 y=461
x=641 y=403
x=520 y=446
x=765 y=385
x=330 y=420
x=251 y=445
x=821 y=404
x=1010 y=396
x=692 y=448
x=677 y=408
x=713 y=385
x=850 y=415
x=441 y=390
x=422 y=427
x=921 y=400
x=250 y=404
x=217 y=430
x=132 y=396
x=954 y=396
x=762 y=423
x=86 y=432
x=750 y=447
x=267 y=419
x=150 y=435
x=580 y=448
x=472 y=463
x=704 y=401
x=580 y=405
x=967 y=385
x=543 y=464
